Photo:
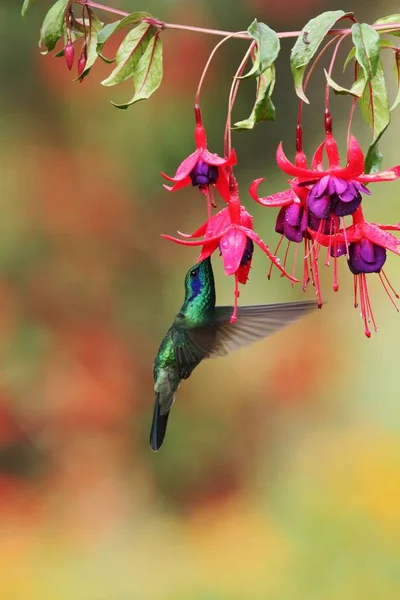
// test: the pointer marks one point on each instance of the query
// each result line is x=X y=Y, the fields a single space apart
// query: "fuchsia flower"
x=365 y=245
x=335 y=191
x=230 y=230
x=293 y=222
x=202 y=168
x=318 y=198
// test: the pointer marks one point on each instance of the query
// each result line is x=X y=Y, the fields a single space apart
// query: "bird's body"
x=202 y=330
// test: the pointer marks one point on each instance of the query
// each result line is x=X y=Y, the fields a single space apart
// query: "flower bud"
x=82 y=63
x=69 y=54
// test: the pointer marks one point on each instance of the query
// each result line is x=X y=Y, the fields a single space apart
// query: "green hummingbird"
x=202 y=330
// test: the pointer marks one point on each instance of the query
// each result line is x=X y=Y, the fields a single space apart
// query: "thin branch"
x=219 y=32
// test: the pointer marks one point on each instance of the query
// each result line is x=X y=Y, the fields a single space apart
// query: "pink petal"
x=182 y=242
x=353 y=234
x=222 y=184
x=232 y=158
x=200 y=231
x=317 y=163
x=245 y=218
x=185 y=167
x=287 y=167
x=218 y=223
x=232 y=245
x=300 y=160
x=355 y=158
x=378 y=236
x=178 y=185
x=331 y=150
x=207 y=250
x=390 y=227
x=212 y=159
x=388 y=175
x=216 y=227
x=278 y=199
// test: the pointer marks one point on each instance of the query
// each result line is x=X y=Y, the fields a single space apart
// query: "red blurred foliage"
x=89 y=381
x=8 y=312
x=299 y=371
x=284 y=10
x=80 y=195
x=185 y=53
x=19 y=501
x=10 y=430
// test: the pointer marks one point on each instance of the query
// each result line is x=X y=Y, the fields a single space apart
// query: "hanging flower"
x=203 y=168
x=336 y=190
x=365 y=245
x=292 y=223
x=230 y=231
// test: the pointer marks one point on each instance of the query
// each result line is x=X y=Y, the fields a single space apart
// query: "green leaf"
x=374 y=108
x=131 y=50
x=356 y=89
x=53 y=25
x=91 y=49
x=26 y=6
x=107 y=31
x=383 y=44
x=268 y=47
x=263 y=109
x=373 y=160
x=397 y=72
x=387 y=21
x=366 y=42
x=148 y=72
x=307 y=44
x=350 y=56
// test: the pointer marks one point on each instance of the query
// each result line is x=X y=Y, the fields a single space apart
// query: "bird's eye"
x=193 y=273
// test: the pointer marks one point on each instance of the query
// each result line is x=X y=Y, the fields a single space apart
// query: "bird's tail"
x=158 y=426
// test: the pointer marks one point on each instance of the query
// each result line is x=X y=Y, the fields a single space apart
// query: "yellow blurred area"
x=280 y=475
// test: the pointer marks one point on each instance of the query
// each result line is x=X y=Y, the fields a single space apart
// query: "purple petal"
x=247 y=253
x=304 y=221
x=361 y=188
x=321 y=186
x=292 y=233
x=338 y=250
x=340 y=185
x=315 y=224
x=293 y=214
x=342 y=209
x=366 y=257
x=203 y=174
x=347 y=196
x=319 y=207
x=280 y=220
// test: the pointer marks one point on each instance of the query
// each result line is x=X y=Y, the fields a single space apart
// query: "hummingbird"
x=202 y=330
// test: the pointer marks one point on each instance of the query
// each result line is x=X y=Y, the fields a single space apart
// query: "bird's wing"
x=191 y=345
x=253 y=323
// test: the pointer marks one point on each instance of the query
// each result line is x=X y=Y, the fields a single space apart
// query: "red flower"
x=202 y=168
x=365 y=246
x=231 y=230
x=335 y=191
x=292 y=223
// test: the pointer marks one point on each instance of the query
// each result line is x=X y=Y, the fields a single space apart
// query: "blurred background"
x=280 y=475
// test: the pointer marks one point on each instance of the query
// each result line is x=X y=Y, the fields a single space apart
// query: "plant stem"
x=240 y=35
x=327 y=87
x=232 y=97
x=197 y=99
